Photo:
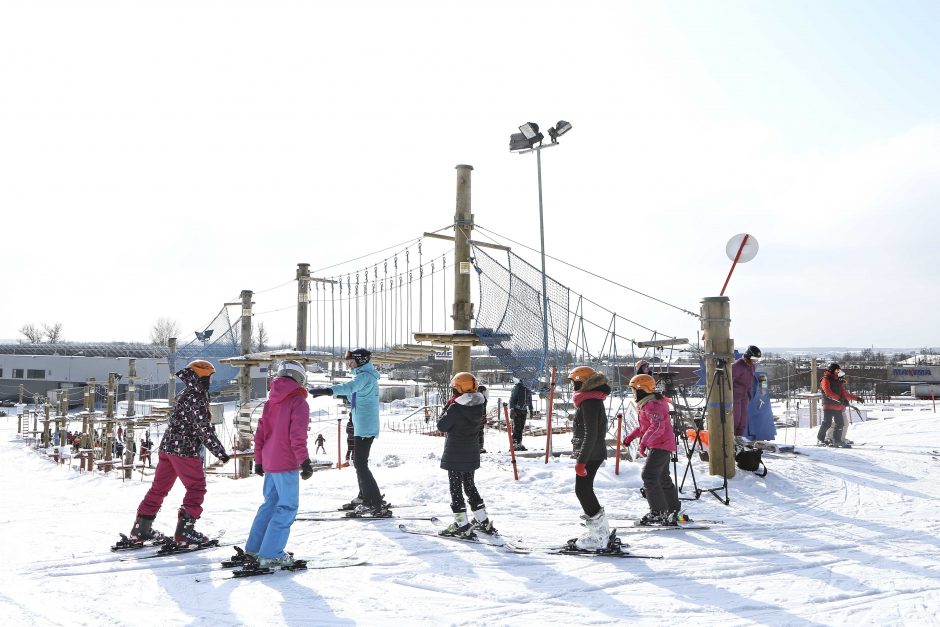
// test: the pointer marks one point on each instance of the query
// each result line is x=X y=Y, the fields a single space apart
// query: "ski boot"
x=141 y=533
x=842 y=444
x=519 y=447
x=186 y=535
x=823 y=443
x=353 y=504
x=670 y=519
x=481 y=522
x=652 y=519
x=241 y=559
x=597 y=535
x=364 y=510
x=460 y=528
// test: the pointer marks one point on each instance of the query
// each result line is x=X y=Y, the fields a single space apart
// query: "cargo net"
x=219 y=339
x=510 y=316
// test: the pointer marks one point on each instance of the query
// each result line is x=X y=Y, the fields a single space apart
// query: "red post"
x=512 y=450
x=619 y=439
x=548 y=421
x=339 y=443
x=734 y=263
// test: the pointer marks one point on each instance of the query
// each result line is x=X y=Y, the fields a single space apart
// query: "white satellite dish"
x=748 y=251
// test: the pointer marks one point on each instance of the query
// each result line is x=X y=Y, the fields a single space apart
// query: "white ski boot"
x=597 y=534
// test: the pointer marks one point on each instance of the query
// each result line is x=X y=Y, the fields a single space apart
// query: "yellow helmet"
x=464 y=382
x=643 y=382
x=201 y=367
x=581 y=373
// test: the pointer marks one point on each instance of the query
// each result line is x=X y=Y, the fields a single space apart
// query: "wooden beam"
x=472 y=242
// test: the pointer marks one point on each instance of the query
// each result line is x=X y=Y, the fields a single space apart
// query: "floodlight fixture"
x=530 y=130
x=558 y=130
x=517 y=141
x=204 y=335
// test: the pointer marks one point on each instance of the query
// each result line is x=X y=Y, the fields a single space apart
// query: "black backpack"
x=750 y=459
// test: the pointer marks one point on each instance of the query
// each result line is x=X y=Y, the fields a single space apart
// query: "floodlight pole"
x=538 y=161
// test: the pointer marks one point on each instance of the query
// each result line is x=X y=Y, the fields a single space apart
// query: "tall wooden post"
x=22 y=391
x=131 y=387
x=719 y=354
x=107 y=440
x=303 y=298
x=814 y=388
x=88 y=424
x=45 y=428
x=463 y=308
x=243 y=423
x=171 y=365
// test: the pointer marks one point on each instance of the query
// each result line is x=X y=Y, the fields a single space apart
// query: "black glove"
x=224 y=458
x=259 y=470
x=320 y=392
x=306 y=469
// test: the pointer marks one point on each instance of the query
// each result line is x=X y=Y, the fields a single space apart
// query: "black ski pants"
x=661 y=493
x=830 y=417
x=518 y=424
x=461 y=482
x=368 y=488
x=584 y=489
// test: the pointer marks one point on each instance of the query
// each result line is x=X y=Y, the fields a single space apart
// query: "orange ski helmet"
x=201 y=367
x=581 y=373
x=643 y=382
x=464 y=382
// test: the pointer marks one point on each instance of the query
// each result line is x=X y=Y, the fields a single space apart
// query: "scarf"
x=583 y=395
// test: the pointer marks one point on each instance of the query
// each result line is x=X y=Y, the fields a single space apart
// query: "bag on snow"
x=750 y=459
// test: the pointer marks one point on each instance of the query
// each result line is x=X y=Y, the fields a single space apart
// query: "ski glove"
x=314 y=392
x=627 y=440
x=643 y=450
x=224 y=458
x=306 y=469
x=259 y=470
x=580 y=470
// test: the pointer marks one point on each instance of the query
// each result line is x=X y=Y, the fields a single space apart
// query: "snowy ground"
x=829 y=537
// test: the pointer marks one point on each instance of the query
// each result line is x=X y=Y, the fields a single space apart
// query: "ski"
x=691 y=527
x=170 y=548
x=476 y=538
x=614 y=549
x=342 y=509
x=696 y=521
x=299 y=566
x=126 y=544
x=433 y=519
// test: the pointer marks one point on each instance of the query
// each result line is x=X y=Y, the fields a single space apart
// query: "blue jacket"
x=363 y=395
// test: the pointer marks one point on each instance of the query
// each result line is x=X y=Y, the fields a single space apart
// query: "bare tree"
x=53 y=332
x=261 y=338
x=163 y=330
x=32 y=333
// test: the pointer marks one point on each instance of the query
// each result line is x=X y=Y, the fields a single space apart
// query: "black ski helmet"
x=361 y=356
x=752 y=351
x=833 y=367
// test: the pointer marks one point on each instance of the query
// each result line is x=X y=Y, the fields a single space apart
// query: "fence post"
x=512 y=449
x=548 y=421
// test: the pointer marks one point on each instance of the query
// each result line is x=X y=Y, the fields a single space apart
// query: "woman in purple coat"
x=742 y=382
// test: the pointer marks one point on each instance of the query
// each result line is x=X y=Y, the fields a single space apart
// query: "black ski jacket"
x=189 y=423
x=520 y=398
x=589 y=440
x=461 y=422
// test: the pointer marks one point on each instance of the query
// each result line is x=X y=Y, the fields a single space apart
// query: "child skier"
x=835 y=399
x=656 y=436
x=589 y=446
x=187 y=430
x=461 y=422
x=280 y=450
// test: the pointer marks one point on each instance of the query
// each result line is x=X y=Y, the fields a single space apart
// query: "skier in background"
x=520 y=405
x=280 y=451
x=320 y=442
x=187 y=429
x=835 y=399
x=743 y=384
x=460 y=420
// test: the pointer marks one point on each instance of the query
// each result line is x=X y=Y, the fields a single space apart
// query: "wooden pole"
x=512 y=449
x=719 y=353
x=303 y=300
x=243 y=423
x=462 y=308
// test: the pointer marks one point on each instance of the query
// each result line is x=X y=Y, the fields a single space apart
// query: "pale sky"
x=158 y=157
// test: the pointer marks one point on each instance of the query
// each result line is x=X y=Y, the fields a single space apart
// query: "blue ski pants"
x=271 y=527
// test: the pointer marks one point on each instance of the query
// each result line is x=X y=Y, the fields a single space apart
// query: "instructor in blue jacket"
x=363 y=395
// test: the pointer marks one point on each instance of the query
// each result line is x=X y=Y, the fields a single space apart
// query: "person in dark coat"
x=520 y=406
x=743 y=384
x=188 y=429
x=460 y=420
x=589 y=443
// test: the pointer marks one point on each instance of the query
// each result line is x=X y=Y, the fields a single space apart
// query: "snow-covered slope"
x=828 y=537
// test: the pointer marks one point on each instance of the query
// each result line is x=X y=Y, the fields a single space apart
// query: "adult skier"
x=363 y=394
x=835 y=399
x=280 y=451
x=187 y=430
x=657 y=443
x=520 y=406
x=460 y=420
x=589 y=445
x=743 y=384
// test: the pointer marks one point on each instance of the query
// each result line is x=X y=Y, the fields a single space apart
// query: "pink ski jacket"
x=655 y=429
x=281 y=436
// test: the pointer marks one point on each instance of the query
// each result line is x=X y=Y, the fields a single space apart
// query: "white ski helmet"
x=294 y=370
